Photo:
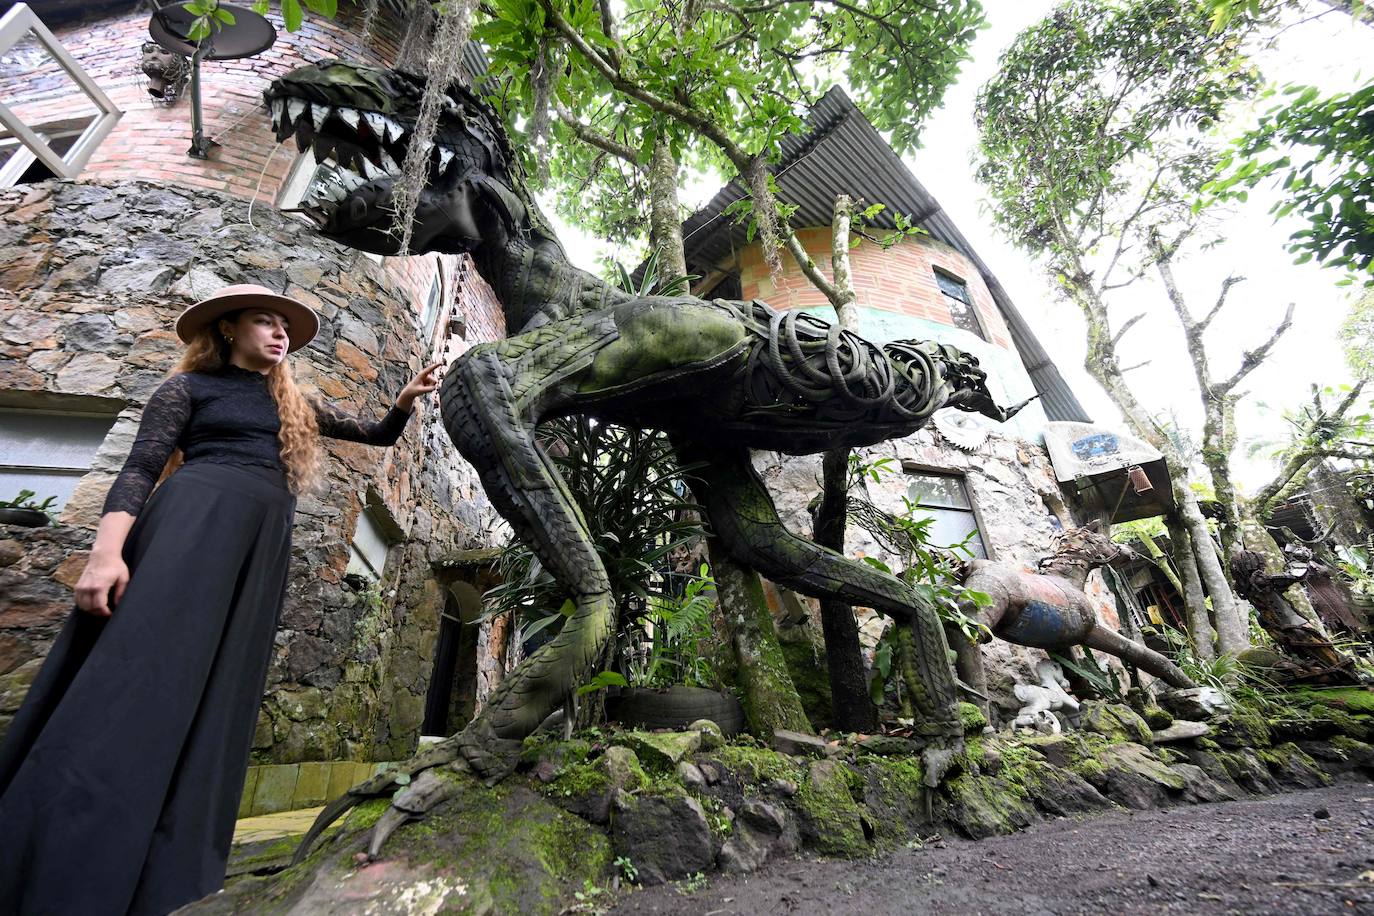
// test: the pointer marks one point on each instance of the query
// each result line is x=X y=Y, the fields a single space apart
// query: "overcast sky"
x=1324 y=52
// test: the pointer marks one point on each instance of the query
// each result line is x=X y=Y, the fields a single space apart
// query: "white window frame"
x=936 y=509
x=434 y=304
x=72 y=471
x=14 y=25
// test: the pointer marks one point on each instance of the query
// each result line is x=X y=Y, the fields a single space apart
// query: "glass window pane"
x=43 y=483
x=937 y=490
x=368 y=554
x=960 y=305
x=50 y=440
x=952 y=527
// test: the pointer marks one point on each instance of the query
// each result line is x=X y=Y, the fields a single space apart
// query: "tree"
x=1093 y=151
x=615 y=97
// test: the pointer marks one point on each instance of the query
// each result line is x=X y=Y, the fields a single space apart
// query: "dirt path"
x=1271 y=855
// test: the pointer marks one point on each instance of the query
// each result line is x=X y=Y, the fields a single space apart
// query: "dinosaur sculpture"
x=1050 y=610
x=720 y=377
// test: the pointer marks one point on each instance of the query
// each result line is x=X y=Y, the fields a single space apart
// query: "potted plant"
x=23 y=510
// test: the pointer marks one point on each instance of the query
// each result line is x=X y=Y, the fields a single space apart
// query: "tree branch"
x=1130 y=322
x=595 y=138
x=1253 y=358
x=1301 y=459
x=1221 y=300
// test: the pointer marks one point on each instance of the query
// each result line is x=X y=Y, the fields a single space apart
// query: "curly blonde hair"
x=299 y=436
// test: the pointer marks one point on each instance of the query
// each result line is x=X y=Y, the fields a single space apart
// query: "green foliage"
x=675 y=629
x=689 y=75
x=211 y=16
x=603 y=680
x=1104 y=680
x=1320 y=151
x=1357 y=335
x=1094 y=129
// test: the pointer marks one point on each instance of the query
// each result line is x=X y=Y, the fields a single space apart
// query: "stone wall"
x=92 y=277
x=1019 y=508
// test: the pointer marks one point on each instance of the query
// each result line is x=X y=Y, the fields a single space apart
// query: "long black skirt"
x=121 y=773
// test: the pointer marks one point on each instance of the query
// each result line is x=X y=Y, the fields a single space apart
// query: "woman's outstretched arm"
x=339 y=424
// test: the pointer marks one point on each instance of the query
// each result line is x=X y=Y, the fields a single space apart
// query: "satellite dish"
x=250 y=34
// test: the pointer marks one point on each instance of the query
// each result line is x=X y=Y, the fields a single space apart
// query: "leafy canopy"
x=1093 y=130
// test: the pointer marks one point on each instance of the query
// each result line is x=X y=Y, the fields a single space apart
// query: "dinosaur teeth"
x=394 y=131
x=318 y=116
x=278 y=106
x=390 y=164
x=294 y=109
x=377 y=123
x=445 y=157
x=349 y=116
x=370 y=170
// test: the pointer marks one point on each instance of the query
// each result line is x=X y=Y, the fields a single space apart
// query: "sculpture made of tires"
x=675 y=707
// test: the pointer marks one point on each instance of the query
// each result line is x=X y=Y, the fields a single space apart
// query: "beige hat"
x=303 y=323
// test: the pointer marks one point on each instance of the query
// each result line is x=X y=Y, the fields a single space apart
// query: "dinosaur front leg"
x=743 y=516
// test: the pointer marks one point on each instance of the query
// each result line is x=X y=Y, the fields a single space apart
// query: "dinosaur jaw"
x=364 y=152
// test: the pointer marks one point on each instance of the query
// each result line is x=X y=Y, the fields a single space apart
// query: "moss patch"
x=831 y=820
x=971 y=718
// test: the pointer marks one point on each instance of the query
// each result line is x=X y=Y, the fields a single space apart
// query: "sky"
x=1324 y=52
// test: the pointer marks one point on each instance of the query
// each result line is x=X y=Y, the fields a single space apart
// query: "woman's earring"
x=229 y=338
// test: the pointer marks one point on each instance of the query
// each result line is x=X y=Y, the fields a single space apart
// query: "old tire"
x=676 y=707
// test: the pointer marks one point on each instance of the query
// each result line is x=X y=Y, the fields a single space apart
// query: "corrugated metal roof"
x=842 y=152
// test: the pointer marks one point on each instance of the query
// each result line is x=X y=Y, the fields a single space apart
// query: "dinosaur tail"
x=1144 y=658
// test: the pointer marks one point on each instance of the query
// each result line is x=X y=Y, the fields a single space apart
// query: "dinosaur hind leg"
x=480 y=415
x=743 y=516
x=1143 y=657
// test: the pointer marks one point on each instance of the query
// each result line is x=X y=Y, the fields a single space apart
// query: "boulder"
x=1132 y=777
x=1199 y=787
x=762 y=830
x=661 y=749
x=1115 y=722
x=1182 y=730
x=830 y=820
x=666 y=838
x=796 y=744
x=1195 y=702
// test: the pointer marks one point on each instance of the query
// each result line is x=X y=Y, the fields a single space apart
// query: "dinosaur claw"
x=939 y=758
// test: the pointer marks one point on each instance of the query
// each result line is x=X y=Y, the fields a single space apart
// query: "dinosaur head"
x=1092 y=546
x=360 y=121
x=963 y=381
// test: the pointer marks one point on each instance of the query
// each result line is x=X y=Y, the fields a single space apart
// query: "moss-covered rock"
x=660 y=750
x=1115 y=722
x=806 y=665
x=1133 y=777
x=1291 y=766
x=895 y=798
x=1242 y=727
x=499 y=849
x=984 y=806
x=972 y=718
x=831 y=821
x=1158 y=718
x=665 y=837
x=1357 y=700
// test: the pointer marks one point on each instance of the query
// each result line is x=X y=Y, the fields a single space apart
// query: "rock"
x=666 y=838
x=831 y=821
x=88 y=373
x=1195 y=703
x=1115 y=721
x=140 y=277
x=991 y=762
x=661 y=749
x=1198 y=787
x=1341 y=754
x=1182 y=730
x=1158 y=718
x=795 y=744
x=896 y=800
x=1321 y=814
x=1135 y=779
x=761 y=831
x=785 y=788
x=1061 y=792
x=711 y=735
x=623 y=769
x=983 y=806
x=691 y=776
x=546 y=771
x=712 y=774
x=91 y=332
x=1292 y=767
x=1243 y=728
x=889 y=746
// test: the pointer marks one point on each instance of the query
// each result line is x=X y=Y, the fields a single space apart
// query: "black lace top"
x=226 y=417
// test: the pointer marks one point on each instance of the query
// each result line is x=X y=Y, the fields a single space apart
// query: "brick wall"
x=898 y=279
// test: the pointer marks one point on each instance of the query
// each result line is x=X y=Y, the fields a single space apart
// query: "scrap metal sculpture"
x=719 y=377
x=1051 y=611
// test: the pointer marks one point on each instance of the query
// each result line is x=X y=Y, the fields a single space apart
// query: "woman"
x=121 y=774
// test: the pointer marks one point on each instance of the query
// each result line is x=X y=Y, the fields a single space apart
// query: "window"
x=23 y=41
x=307 y=175
x=961 y=308
x=945 y=496
x=367 y=553
x=430 y=313
x=47 y=452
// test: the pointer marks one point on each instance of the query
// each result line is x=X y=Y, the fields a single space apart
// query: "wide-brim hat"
x=302 y=322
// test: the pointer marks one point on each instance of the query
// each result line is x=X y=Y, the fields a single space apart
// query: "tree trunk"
x=1233 y=626
x=1194 y=602
x=853 y=704
x=767 y=693
x=769 y=697
x=1258 y=538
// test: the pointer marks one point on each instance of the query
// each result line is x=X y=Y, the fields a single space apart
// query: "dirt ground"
x=1298 y=853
